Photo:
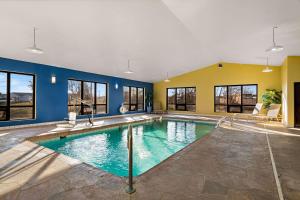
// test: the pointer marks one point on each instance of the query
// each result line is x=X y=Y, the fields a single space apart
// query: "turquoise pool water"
x=153 y=142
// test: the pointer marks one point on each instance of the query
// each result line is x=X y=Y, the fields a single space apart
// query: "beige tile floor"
x=233 y=162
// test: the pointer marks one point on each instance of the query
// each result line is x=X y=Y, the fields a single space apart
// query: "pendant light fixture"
x=34 y=48
x=275 y=47
x=129 y=71
x=267 y=69
x=167 y=80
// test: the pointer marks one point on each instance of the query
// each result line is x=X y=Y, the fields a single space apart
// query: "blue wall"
x=52 y=99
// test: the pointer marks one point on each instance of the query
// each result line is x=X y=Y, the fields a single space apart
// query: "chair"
x=71 y=121
x=255 y=112
x=72 y=118
x=273 y=113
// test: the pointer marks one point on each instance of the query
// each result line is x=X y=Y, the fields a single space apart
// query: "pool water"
x=153 y=142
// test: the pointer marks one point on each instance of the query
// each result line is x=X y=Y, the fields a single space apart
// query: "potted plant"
x=149 y=102
x=271 y=96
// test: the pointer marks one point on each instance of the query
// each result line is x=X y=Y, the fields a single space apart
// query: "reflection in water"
x=181 y=131
x=152 y=143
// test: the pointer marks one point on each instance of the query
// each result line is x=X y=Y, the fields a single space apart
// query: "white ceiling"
x=158 y=36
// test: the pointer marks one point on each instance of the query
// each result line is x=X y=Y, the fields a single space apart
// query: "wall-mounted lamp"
x=116 y=86
x=53 y=79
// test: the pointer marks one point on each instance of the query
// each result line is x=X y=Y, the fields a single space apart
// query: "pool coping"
x=69 y=160
x=47 y=135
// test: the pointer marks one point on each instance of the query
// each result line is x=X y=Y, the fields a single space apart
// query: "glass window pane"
x=171 y=107
x=190 y=95
x=101 y=93
x=191 y=108
x=89 y=92
x=101 y=109
x=2 y=113
x=221 y=108
x=21 y=90
x=76 y=109
x=180 y=107
x=180 y=95
x=249 y=95
x=234 y=95
x=248 y=109
x=133 y=95
x=74 y=92
x=221 y=95
x=21 y=113
x=126 y=95
x=87 y=110
x=171 y=96
x=140 y=107
x=3 y=89
x=235 y=109
x=141 y=95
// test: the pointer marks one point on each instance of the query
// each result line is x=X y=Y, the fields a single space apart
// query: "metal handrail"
x=91 y=120
x=224 y=119
x=130 y=188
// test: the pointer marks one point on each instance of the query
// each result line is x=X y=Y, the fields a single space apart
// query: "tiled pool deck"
x=233 y=162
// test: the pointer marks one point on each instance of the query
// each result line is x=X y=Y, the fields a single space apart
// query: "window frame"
x=137 y=98
x=234 y=105
x=8 y=95
x=181 y=104
x=95 y=104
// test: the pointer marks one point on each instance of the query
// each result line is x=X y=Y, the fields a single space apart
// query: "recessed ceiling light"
x=275 y=47
x=34 y=48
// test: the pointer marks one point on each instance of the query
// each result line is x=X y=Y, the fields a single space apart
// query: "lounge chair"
x=71 y=121
x=254 y=113
x=273 y=113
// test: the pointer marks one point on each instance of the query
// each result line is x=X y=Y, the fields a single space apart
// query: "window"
x=183 y=98
x=88 y=91
x=17 y=96
x=134 y=98
x=101 y=98
x=171 y=99
x=85 y=97
x=141 y=99
x=221 y=99
x=235 y=98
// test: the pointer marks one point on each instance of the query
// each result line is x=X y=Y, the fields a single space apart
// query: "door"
x=297 y=104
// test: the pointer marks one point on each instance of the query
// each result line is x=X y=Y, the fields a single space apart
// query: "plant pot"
x=149 y=109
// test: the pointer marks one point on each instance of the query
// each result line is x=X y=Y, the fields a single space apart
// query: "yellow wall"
x=290 y=75
x=206 y=78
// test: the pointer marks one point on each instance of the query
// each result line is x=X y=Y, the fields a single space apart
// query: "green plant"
x=149 y=98
x=271 y=96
